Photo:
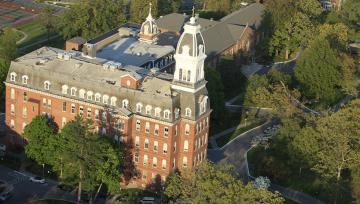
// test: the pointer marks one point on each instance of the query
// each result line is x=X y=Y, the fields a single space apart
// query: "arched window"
x=125 y=103
x=186 y=146
x=157 y=112
x=105 y=99
x=25 y=79
x=167 y=114
x=97 y=97
x=89 y=95
x=82 y=93
x=148 y=110
x=113 y=101
x=139 y=107
x=64 y=89
x=187 y=112
x=73 y=91
x=47 y=85
x=13 y=76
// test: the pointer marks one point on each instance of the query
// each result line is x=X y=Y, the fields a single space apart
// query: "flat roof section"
x=131 y=51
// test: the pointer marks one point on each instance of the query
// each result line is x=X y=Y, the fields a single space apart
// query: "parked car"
x=37 y=179
x=147 y=200
x=5 y=196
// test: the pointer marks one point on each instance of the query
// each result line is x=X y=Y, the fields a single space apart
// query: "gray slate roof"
x=251 y=15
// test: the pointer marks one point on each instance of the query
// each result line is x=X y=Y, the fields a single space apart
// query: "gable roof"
x=172 y=22
x=250 y=15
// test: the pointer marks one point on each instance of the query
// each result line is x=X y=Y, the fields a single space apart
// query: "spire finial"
x=193 y=11
x=150 y=5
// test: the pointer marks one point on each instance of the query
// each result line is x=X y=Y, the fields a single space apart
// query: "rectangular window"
x=81 y=111
x=49 y=103
x=147 y=127
x=156 y=130
x=163 y=164
x=88 y=115
x=24 y=112
x=156 y=146
x=73 y=108
x=146 y=159
x=136 y=157
x=44 y=102
x=12 y=124
x=138 y=125
x=12 y=109
x=12 y=94
x=166 y=131
x=64 y=106
x=24 y=96
x=165 y=149
x=63 y=122
x=146 y=144
x=137 y=142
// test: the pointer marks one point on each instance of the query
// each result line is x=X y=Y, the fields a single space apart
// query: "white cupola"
x=190 y=56
x=149 y=30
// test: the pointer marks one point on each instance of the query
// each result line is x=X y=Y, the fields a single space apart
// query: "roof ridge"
x=238 y=11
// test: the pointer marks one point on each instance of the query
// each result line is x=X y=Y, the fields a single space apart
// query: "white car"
x=37 y=179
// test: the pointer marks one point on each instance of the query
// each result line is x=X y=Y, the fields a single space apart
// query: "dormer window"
x=47 y=85
x=13 y=76
x=148 y=110
x=139 y=107
x=97 y=97
x=203 y=104
x=106 y=99
x=166 y=114
x=113 y=101
x=64 y=89
x=82 y=93
x=73 y=91
x=89 y=95
x=25 y=79
x=125 y=103
x=188 y=112
x=157 y=112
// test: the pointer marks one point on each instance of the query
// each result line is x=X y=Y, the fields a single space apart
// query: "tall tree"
x=318 y=72
x=221 y=6
x=48 y=20
x=90 y=18
x=333 y=143
x=216 y=93
x=89 y=155
x=215 y=184
x=38 y=134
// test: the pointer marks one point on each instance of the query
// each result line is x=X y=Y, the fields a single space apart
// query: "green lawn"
x=226 y=138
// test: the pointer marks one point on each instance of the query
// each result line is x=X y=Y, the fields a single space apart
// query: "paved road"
x=23 y=189
x=234 y=153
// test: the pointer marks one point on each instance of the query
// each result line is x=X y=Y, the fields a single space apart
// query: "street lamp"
x=43 y=170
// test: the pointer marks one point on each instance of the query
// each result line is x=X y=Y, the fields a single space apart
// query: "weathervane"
x=150 y=5
x=193 y=11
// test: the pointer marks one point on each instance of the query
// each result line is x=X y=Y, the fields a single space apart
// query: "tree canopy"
x=216 y=93
x=90 y=18
x=215 y=184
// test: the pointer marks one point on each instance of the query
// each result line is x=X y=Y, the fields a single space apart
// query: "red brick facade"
x=162 y=143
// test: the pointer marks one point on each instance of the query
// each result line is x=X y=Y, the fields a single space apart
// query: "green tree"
x=318 y=73
x=215 y=184
x=221 y=6
x=89 y=156
x=8 y=49
x=216 y=93
x=332 y=144
x=90 y=18
x=48 y=20
x=139 y=9
x=38 y=134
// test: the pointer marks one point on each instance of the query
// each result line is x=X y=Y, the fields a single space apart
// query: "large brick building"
x=119 y=82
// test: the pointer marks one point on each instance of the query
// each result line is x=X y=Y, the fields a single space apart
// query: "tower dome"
x=190 y=57
x=149 y=30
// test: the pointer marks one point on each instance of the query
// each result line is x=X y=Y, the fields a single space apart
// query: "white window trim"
x=167 y=113
x=113 y=100
x=25 y=79
x=73 y=91
x=97 y=97
x=139 y=107
x=47 y=85
x=64 y=89
x=82 y=93
x=105 y=99
x=13 y=76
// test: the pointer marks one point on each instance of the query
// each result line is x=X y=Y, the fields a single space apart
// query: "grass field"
x=35 y=31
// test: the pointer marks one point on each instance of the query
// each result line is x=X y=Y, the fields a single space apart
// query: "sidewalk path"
x=23 y=38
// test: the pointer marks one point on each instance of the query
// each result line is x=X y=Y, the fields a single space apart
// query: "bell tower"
x=190 y=57
x=149 y=30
